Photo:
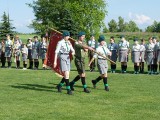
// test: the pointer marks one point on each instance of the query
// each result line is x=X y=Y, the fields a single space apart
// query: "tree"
x=72 y=15
x=113 y=26
x=6 y=27
x=121 y=24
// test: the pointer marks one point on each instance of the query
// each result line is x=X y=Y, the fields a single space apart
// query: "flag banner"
x=55 y=37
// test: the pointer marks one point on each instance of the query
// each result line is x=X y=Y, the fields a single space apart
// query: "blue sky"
x=143 y=12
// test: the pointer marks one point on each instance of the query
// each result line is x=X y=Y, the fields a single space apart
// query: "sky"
x=143 y=12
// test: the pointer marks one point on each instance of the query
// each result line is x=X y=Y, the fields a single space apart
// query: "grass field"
x=32 y=95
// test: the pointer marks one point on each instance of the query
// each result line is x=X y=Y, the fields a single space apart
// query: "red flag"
x=55 y=36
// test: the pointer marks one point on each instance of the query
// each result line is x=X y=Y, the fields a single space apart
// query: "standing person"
x=123 y=51
x=80 y=52
x=35 y=52
x=18 y=39
x=16 y=52
x=92 y=43
x=43 y=50
x=29 y=46
x=149 y=55
x=155 y=64
x=62 y=51
x=113 y=47
x=157 y=48
x=135 y=55
x=101 y=63
x=24 y=56
x=3 y=58
x=142 y=54
x=8 y=49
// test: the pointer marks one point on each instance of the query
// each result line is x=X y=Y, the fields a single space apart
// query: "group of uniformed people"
x=140 y=53
x=33 y=50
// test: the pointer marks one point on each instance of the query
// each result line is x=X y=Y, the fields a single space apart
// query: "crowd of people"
x=33 y=50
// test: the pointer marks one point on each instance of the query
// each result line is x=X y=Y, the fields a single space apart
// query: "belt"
x=101 y=59
x=123 y=49
x=135 y=51
x=149 y=51
x=64 y=53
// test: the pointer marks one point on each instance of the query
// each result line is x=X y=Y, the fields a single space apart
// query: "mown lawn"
x=32 y=95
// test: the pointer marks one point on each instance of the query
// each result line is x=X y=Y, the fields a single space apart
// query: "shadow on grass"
x=36 y=87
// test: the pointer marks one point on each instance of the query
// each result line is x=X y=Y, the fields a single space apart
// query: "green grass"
x=32 y=95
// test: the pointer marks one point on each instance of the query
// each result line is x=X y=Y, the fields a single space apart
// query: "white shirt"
x=92 y=43
x=64 y=47
x=150 y=47
x=8 y=43
x=123 y=45
x=136 y=48
x=103 y=50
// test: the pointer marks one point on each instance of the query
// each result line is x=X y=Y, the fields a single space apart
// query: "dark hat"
x=112 y=37
x=92 y=35
x=122 y=36
x=81 y=33
x=35 y=37
x=66 y=33
x=154 y=37
x=135 y=39
x=101 y=38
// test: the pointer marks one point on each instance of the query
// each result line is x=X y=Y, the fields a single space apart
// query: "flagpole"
x=87 y=46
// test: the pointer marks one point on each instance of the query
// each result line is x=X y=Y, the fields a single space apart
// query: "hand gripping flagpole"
x=87 y=46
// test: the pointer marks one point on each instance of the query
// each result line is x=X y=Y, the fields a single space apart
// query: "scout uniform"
x=35 y=52
x=123 y=49
x=102 y=63
x=155 y=65
x=29 y=46
x=157 y=49
x=63 y=49
x=80 y=54
x=43 y=50
x=135 y=55
x=24 y=56
x=3 y=59
x=92 y=43
x=142 y=55
x=8 y=50
x=113 y=47
x=149 y=55
x=16 y=52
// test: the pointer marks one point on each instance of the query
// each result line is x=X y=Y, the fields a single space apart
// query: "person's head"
x=17 y=37
x=8 y=37
x=122 y=37
x=111 y=39
x=135 y=41
x=101 y=40
x=66 y=35
x=92 y=37
x=29 y=40
x=35 y=38
x=142 y=41
x=81 y=36
x=150 y=40
x=154 y=39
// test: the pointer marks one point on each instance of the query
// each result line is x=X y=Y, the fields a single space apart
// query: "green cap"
x=101 y=38
x=81 y=33
x=135 y=39
x=66 y=33
x=122 y=36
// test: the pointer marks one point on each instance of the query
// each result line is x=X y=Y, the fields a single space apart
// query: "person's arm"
x=56 y=54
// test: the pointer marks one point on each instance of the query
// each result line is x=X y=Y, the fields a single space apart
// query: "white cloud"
x=140 y=19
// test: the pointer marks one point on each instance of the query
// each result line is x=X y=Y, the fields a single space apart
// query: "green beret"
x=81 y=33
x=92 y=35
x=101 y=38
x=66 y=33
x=135 y=39
x=154 y=37
x=122 y=36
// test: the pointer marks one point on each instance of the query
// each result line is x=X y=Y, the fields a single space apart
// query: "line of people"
x=33 y=50
x=140 y=53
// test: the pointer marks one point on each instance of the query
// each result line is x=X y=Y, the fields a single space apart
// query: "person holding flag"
x=62 y=51
x=101 y=63
x=80 y=52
